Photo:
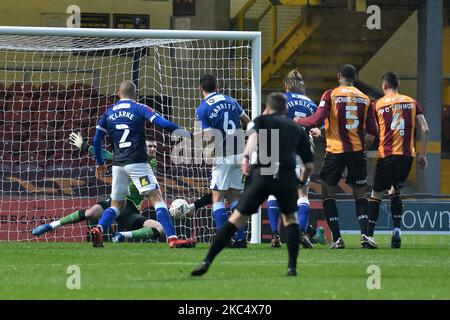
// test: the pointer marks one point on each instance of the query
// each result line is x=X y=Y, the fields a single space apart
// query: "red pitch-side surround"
x=19 y=217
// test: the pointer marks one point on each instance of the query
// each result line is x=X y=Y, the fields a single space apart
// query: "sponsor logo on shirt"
x=144 y=181
x=215 y=99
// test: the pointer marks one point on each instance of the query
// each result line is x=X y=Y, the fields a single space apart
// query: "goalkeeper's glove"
x=77 y=140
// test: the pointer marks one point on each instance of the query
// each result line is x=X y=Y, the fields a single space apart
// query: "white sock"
x=55 y=224
x=399 y=231
x=127 y=234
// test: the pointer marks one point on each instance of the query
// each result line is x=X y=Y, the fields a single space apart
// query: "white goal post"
x=89 y=64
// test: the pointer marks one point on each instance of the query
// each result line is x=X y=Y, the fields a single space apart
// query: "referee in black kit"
x=275 y=176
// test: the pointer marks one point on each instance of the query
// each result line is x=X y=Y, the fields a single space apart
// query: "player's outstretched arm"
x=319 y=116
x=77 y=140
x=314 y=120
x=164 y=124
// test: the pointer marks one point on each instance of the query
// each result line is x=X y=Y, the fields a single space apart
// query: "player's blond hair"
x=293 y=81
x=127 y=89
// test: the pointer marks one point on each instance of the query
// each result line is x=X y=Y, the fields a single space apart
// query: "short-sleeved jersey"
x=125 y=124
x=299 y=105
x=292 y=140
x=221 y=112
x=345 y=124
x=396 y=118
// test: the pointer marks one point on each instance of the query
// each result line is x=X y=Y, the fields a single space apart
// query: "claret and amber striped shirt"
x=396 y=117
x=348 y=116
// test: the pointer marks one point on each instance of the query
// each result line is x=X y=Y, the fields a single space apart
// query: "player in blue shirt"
x=223 y=118
x=299 y=105
x=124 y=122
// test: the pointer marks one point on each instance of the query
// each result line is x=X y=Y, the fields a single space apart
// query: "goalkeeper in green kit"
x=142 y=228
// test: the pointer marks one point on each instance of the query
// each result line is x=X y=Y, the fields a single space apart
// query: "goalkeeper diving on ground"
x=132 y=220
x=140 y=227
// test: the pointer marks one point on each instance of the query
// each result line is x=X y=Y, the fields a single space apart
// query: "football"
x=178 y=208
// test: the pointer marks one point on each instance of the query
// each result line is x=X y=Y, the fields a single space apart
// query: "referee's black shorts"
x=391 y=171
x=335 y=163
x=259 y=187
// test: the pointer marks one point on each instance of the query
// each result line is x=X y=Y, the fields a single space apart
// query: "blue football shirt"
x=221 y=112
x=299 y=105
x=124 y=122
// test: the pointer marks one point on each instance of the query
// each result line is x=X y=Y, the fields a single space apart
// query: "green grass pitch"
x=420 y=270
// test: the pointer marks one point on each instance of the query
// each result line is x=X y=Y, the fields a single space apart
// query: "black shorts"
x=105 y=204
x=391 y=171
x=130 y=219
x=259 y=187
x=335 y=164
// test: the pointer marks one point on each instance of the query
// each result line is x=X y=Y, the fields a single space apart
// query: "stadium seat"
x=101 y=105
x=81 y=90
x=11 y=146
x=62 y=147
x=93 y=120
x=23 y=117
x=85 y=162
x=33 y=159
x=51 y=90
x=13 y=132
x=21 y=89
x=74 y=120
x=63 y=160
x=44 y=132
x=7 y=160
x=21 y=104
x=80 y=104
x=43 y=147
x=91 y=133
x=52 y=118
x=101 y=109
x=51 y=105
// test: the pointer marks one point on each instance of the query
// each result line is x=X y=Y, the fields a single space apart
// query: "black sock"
x=82 y=214
x=293 y=244
x=331 y=214
x=362 y=208
x=203 y=201
x=223 y=237
x=397 y=210
x=310 y=231
x=374 y=210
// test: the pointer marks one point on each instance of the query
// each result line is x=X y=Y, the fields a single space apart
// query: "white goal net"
x=53 y=85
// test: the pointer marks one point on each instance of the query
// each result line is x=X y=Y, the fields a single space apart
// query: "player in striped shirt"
x=348 y=122
x=396 y=115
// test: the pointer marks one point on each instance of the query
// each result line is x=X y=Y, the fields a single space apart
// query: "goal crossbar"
x=254 y=37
